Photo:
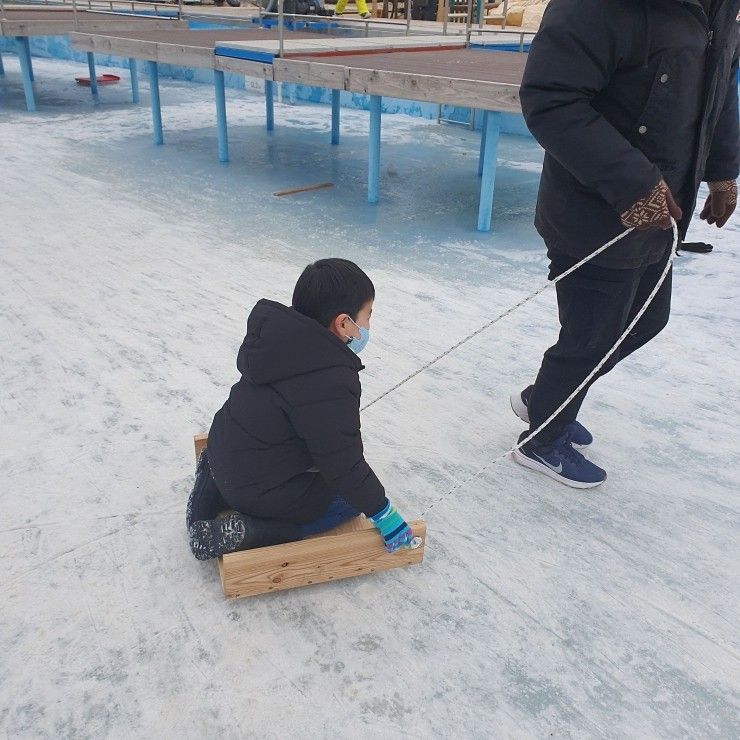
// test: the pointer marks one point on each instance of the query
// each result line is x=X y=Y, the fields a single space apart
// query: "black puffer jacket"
x=621 y=93
x=296 y=407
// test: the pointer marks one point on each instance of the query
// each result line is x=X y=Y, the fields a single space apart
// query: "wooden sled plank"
x=200 y=441
x=330 y=556
x=354 y=548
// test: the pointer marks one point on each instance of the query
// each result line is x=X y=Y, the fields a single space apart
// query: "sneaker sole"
x=540 y=468
x=518 y=407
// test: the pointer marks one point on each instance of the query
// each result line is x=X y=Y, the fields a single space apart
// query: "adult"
x=635 y=103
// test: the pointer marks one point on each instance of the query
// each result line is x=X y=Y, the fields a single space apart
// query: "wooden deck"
x=32 y=22
x=466 y=77
x=186 y=47
x=294 y=45
x=433 y=69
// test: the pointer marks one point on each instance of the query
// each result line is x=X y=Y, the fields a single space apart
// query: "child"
x=285 y=456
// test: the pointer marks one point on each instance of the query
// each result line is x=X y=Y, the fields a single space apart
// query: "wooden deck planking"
x=184 y=47
x=318 y=74
x=294 y=44
x=31 y=22
x=504 y=67
x=476 y=78
x=479 y=79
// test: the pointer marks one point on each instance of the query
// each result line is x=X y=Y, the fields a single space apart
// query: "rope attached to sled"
x=509 y=311
x=496 y=319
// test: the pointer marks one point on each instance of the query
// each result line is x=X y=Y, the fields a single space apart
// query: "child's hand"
x=392 y=527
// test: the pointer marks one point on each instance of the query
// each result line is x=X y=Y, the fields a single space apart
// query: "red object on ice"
x=102 y=80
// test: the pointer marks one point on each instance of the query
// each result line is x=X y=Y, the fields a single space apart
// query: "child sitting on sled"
x=285 y=456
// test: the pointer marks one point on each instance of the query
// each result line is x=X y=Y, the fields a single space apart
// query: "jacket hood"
x=282 y=343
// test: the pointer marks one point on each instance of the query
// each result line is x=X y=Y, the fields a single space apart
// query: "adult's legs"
x=655 y=318
x=595 y=305
x=342 y=4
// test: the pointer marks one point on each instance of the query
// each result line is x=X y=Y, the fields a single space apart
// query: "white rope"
x=496 y=319
x=591 y=375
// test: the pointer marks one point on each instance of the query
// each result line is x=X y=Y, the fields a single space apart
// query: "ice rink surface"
x=127 y=272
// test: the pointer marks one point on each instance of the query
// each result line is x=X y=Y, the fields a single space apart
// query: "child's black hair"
x=330 y=287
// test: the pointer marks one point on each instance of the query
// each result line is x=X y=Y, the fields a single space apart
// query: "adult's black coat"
x=621 y=93
x=295 y=408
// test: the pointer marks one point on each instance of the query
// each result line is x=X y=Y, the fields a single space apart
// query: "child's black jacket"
x=296 y=407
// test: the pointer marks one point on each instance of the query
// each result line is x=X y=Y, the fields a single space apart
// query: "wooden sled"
x=351 y=549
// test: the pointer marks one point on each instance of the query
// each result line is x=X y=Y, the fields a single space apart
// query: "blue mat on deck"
x=248 y=54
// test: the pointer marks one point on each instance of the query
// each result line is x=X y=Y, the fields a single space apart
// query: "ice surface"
x=127 y=272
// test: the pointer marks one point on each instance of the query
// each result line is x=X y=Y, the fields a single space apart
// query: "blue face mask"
x=357 y=345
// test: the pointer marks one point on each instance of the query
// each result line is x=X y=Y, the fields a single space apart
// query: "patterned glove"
x=720 y=203
x=394 y=530
x=655 y=209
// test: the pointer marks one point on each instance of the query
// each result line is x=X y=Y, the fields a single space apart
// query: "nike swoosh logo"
x=559 y=468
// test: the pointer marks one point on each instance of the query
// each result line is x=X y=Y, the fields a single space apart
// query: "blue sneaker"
x=578 y=435
x=560 y=461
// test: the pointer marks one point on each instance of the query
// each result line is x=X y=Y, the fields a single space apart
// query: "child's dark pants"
x=206 y=503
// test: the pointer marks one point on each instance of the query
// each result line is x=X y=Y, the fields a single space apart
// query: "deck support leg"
x=26 y=73
x=488 y=175
x=27 y=46
x=270 y=104
x=223 y=140
x=93 y=78
x=156 y=107
x=482 y=142
x=335 y=98
x=134 y=80
x=373 y=159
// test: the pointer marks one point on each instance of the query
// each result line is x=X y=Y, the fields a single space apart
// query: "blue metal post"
x=27 y=46
x=483 y=129
x=488 y=178
x=93 y=77
x=335 y=97
x=373 y=158
x=156 y=107
x=25 y=73
x=134 y=80
x=2 y=69
x=223 y=140
x=270 y=104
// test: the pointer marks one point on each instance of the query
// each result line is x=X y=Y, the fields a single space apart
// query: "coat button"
x=664 y=78
x=642 y=129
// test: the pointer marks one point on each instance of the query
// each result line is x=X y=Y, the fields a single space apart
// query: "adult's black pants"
x=595 y=306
